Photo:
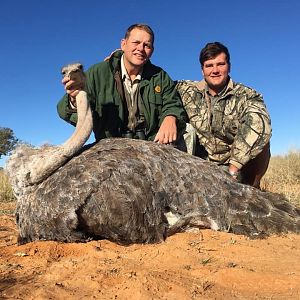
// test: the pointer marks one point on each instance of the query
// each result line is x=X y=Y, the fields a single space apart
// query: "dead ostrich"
x=131 y=191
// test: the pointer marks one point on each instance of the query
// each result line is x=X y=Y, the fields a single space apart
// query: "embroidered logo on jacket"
x=157 y=89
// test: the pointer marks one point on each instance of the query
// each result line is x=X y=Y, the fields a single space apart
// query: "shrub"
x=6 y=193
x=283 y=176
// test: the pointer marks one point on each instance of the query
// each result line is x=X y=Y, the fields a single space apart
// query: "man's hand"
x=234 y=172
x=74 y=83
x=167 y=132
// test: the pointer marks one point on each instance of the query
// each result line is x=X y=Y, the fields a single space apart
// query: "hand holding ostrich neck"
x=43 y=162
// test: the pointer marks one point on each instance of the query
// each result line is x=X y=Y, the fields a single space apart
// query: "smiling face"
x=138 y=48
x=216 y=73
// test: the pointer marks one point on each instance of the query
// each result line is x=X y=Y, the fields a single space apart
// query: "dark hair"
x=144 y=27
x=211 y=50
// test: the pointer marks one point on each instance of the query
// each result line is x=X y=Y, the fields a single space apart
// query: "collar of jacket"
x=202 y=86
x=149 y=69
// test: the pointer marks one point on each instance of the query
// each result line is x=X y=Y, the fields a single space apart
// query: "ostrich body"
x=132 y=191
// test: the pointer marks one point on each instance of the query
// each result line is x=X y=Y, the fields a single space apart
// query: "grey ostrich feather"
x=131 y=191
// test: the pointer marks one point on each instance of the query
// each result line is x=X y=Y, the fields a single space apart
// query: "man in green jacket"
x=129 y=96
x=231 y=120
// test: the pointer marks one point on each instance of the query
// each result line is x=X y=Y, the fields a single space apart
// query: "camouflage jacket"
x=234 y=129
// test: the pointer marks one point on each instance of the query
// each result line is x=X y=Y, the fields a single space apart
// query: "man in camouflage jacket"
x=231 y=120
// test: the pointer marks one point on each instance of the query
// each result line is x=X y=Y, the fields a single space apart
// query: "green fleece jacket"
x=104 y=87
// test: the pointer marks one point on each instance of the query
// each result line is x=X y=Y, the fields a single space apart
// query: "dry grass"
x=7 y=199
x=6 y=193
x=283 y=176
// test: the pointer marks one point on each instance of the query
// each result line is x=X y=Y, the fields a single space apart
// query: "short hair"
x=211 y=50
x=144 y=27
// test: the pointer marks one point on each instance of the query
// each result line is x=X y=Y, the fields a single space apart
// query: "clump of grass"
x=6 y=193
x=283 y=176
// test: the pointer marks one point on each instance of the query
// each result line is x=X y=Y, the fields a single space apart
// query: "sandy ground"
x=193 y=265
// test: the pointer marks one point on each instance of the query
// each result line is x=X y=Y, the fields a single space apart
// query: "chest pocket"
x=155 y=98
x=230 y=127
x=152 y=101
x=224 y=125
x=217 y=116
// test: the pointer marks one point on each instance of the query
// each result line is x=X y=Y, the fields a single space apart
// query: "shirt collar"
x=124 y=71
x=202 y=85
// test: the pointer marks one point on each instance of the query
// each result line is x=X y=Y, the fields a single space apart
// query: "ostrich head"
x=28 y=166
x=72 y=70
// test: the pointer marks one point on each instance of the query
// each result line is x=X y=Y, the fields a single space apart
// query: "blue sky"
x=38 y=37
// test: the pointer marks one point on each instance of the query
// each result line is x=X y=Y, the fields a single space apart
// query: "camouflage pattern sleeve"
x=187 y=90
x=254 y=130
